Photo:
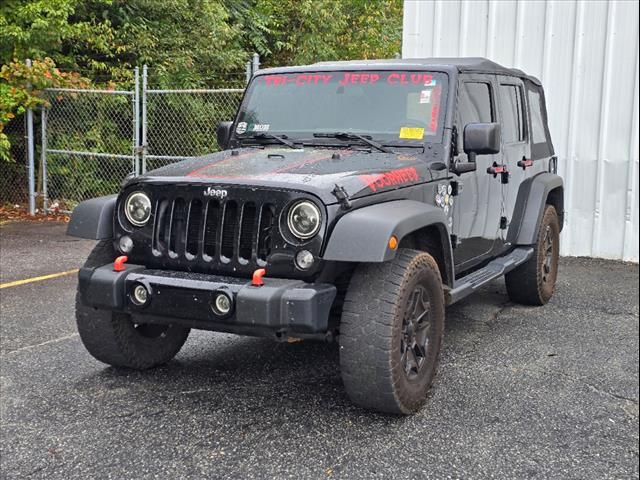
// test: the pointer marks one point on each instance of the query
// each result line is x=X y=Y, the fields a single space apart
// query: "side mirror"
x=481 y=139
x=223 y=134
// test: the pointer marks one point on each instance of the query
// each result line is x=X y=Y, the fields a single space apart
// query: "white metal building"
x=586 y=54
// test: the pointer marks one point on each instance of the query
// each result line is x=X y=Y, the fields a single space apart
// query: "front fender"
x=363 y=235
x=93 y=219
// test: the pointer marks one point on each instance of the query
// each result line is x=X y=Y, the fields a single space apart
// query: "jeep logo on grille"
x=215 y=192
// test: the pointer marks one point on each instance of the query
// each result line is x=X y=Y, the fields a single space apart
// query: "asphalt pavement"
x=522 y=392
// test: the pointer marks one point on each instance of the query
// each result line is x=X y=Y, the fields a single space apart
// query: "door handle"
x=525 y=162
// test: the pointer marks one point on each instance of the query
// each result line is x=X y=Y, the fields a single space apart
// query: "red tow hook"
x=257 y=280
x=118 y=263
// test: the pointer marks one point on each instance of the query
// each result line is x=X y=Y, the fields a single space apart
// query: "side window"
x=537 y=123
x=475 y=105
x=513 y=126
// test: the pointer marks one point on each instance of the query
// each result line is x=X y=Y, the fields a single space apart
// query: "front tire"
x=391 y=332
x=114 y=338
x=534 y=282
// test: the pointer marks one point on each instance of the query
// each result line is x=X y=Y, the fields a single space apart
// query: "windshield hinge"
x=343 y=197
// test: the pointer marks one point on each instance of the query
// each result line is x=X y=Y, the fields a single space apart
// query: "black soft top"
x=447 y=64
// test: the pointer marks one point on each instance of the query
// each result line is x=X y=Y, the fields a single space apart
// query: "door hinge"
x=501 y=170
x=504 y=223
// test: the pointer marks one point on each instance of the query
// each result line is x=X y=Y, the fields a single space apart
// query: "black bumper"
x=279 y=306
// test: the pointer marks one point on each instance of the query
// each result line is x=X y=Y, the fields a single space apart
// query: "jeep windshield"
x=397 y=108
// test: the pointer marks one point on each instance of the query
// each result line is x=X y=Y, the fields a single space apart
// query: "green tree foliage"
x=21 y=88
x=306 y=31
x=189 y=42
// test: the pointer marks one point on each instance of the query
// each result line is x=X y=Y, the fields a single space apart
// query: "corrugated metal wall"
x=586 y=54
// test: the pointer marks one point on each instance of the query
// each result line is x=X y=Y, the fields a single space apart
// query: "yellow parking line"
x=37 y=279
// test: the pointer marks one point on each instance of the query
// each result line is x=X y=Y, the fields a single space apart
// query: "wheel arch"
x=363 y=235
x=534 y=194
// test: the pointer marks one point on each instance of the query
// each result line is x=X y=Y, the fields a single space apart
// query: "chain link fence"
x=182 y=123
x=89 y=144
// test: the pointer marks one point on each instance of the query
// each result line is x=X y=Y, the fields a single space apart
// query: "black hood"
x=315 y=170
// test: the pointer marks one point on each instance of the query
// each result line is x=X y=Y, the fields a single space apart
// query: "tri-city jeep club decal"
x=393 y=78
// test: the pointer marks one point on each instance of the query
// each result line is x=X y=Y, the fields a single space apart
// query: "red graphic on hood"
x=401 y=176
x=209 y=170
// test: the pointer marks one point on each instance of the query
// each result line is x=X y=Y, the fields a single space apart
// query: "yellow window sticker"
x=412 y=133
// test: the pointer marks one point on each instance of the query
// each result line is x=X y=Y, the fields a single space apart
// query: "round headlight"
x=304 y=219
x=137 y=208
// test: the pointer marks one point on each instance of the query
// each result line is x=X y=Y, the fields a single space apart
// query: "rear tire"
x=113 y=338
x=391 y=332
x=534 y=282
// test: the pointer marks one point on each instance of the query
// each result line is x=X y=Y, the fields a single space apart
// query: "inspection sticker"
x=425 y=96
x=412 y=133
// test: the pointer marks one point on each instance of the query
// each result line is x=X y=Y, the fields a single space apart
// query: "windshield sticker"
x=425 y=96
x=349 y=78
x=389 y=179
x=260 y=127
x=407 y=78
x=241 y=128
x=435 y=110
x=412 y=133
x=299 y=80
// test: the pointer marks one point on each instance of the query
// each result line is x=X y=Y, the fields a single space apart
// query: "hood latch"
x=343 y=197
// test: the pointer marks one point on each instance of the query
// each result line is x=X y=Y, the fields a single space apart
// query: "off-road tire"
x=534 y=282
x=113 y=338
x=372 y=332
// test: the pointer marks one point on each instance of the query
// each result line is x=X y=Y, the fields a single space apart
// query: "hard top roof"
x=459 y=64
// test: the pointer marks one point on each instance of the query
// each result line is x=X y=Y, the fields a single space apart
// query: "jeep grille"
x=216 y=231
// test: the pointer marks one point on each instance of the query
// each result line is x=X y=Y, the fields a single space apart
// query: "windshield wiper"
x=354 y=136
x=280 y=138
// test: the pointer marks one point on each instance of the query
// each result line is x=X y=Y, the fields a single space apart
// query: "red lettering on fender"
x=401 y=176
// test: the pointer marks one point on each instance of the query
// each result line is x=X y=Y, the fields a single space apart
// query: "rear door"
x=516 y=149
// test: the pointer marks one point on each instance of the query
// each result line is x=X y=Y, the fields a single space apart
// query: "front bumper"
x=280 y=306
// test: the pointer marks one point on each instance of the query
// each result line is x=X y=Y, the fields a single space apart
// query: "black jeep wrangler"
x=351 y=201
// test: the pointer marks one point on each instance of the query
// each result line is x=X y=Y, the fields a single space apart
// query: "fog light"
x=304 y=259
x=140 y=294
x=222 y=304
x=125 y=244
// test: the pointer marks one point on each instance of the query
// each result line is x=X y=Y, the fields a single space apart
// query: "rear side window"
x=513 y=125
x=538 y=132
x=475 y=104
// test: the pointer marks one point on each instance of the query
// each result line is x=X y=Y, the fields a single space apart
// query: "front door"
x=476 y=211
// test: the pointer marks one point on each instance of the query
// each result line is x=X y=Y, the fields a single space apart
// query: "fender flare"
x=93 y=219
x=362 y=235
x=529 y=209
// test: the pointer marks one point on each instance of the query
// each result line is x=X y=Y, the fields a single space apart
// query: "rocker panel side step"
x=496 y=268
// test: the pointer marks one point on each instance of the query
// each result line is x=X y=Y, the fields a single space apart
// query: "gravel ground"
x=546 y=392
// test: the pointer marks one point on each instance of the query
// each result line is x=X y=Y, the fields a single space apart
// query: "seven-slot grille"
x=225 y=231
